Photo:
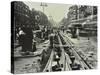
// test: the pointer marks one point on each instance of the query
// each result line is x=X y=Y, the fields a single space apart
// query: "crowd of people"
x=27 y=38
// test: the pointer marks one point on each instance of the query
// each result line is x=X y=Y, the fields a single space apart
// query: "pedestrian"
x=21 y=38
x=34 y=46
x=51 y=40
x=77 y=33
x=28 y=39
x=43 y=57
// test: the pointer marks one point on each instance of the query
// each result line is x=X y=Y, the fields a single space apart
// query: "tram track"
x=69 y=58
x=64 y=60
x=83 y=63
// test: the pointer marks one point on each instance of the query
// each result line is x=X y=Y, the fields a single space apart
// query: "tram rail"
x=83 y=63
x=65 y=60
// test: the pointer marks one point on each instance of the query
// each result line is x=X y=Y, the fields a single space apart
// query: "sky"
x=57 y=11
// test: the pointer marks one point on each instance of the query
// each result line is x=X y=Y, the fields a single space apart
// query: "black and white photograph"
x=53 y=37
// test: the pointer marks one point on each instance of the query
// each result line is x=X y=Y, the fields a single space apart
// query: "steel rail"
x=64 y=59
x=83 y=63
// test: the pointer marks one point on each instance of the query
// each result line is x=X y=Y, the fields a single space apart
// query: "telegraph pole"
x=78 y=17
x=43 y=5
x=92 y=10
